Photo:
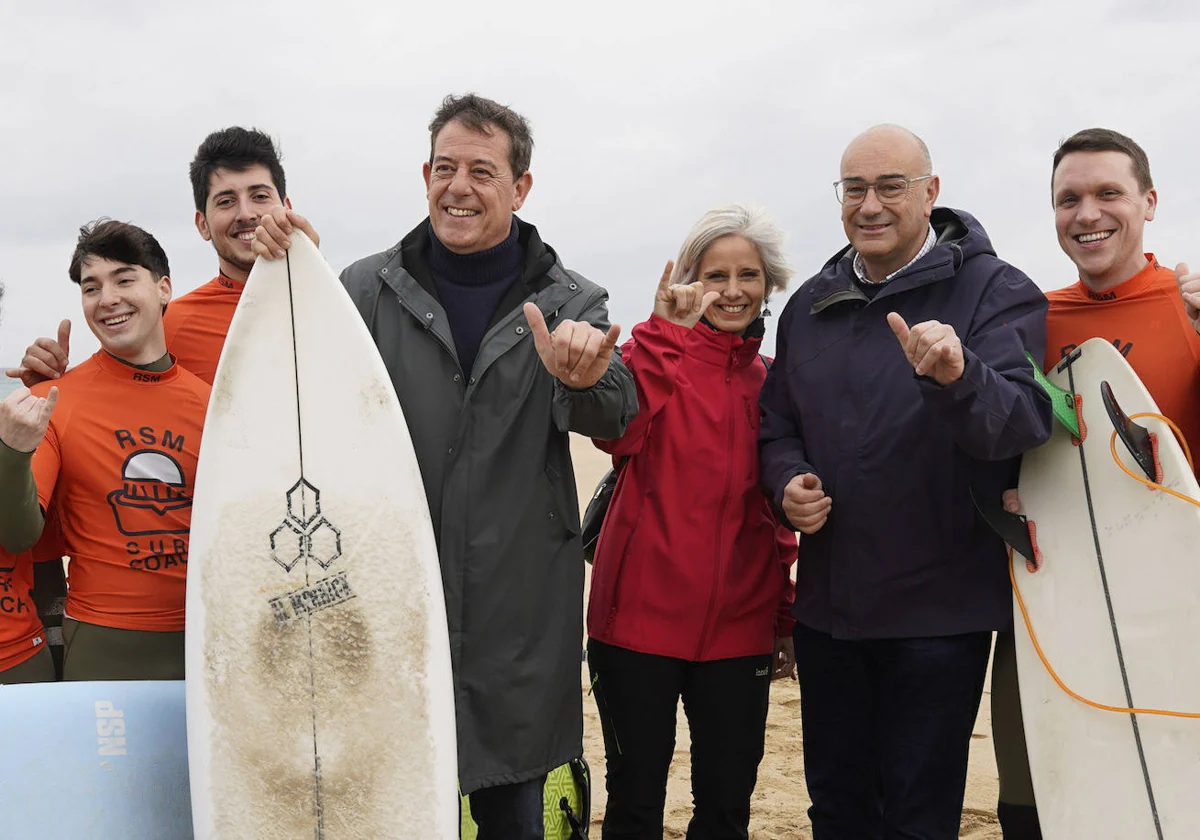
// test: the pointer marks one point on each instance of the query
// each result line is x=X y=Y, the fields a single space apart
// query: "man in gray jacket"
x=497 y=352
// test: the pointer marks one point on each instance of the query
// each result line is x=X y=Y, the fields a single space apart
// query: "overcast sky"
x=645 y=114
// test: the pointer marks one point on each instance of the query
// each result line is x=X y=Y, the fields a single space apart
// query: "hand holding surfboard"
x=576 y=353
x=273 y=236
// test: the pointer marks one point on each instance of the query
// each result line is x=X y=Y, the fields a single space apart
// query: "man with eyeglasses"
x=900 y=383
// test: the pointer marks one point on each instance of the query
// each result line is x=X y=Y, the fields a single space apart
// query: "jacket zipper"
x=716 y=585
x=753 y=434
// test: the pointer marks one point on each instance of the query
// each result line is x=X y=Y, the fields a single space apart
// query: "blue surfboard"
x=94 y=759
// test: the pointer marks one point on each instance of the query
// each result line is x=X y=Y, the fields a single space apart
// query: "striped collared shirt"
x=860 y=270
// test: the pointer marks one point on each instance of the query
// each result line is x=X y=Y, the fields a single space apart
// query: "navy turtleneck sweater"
x=471 y=286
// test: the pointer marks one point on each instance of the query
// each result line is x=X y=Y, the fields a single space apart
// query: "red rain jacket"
x=691 y=562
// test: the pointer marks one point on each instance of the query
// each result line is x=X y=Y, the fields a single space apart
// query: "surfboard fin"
x=1135 y=437
x=1013 y=528
x=1062 y=401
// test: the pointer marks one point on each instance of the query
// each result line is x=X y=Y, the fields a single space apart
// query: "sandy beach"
x=780 y=800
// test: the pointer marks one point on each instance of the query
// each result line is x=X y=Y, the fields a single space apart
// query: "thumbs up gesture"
x=1189 y=290
x=681 y=303
x=45 y=359
x=932 y=348
x=805 y=503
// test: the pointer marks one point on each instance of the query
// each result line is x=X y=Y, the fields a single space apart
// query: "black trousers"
x=887 y=729
x=725 y=701
x=510 y=812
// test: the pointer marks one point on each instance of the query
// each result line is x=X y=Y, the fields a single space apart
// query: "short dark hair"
x=482 y=115
x=1106 y=140
x=119 y=242
x=238 y=149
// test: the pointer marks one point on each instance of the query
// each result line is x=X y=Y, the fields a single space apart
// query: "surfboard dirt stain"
x=367 y=689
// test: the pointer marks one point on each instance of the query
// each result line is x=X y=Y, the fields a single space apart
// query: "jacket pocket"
x=819 y=335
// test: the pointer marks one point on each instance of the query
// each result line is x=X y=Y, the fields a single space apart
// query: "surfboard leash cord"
x=1156 y=485
x=1035 y=563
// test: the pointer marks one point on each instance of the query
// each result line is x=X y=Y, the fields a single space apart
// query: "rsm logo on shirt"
x=110 y=728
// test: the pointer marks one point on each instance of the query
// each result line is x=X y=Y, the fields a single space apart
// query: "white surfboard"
x=1116 y=609
x=319 y=694
x=102 y=760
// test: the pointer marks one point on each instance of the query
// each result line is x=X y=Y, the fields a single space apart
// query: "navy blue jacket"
x=903 y=553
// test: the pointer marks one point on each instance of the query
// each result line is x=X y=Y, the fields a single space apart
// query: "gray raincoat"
x=493 y=448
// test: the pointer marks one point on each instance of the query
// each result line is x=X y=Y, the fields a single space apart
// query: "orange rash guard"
x=196 y=325
x=118 y=463
x=1144 y=318
x=21 y=631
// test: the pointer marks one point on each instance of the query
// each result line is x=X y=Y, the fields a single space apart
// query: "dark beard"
x=236 y=260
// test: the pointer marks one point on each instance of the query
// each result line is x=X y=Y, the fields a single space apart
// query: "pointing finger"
x=1181 y=271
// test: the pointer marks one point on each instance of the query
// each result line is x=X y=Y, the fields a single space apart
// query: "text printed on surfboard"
x=305 y=534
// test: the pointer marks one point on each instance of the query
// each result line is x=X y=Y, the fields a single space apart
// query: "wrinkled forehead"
x=457 y=138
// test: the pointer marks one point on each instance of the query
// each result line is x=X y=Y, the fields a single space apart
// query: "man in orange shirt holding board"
x=236 y=179
x=112 y=448
x=1103 y=196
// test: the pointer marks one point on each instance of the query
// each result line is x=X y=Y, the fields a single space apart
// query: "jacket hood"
x=956 y=230
x=960 y=237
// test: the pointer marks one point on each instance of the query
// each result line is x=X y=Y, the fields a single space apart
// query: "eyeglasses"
x=853 y=192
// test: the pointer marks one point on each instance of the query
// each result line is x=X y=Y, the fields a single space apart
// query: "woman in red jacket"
x=690 y=585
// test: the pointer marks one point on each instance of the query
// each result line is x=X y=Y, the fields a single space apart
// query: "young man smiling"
x=1103 y=196
x=236 y=179
x=112 y=447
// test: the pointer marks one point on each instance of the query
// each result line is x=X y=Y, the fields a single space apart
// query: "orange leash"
x=1012 y=576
